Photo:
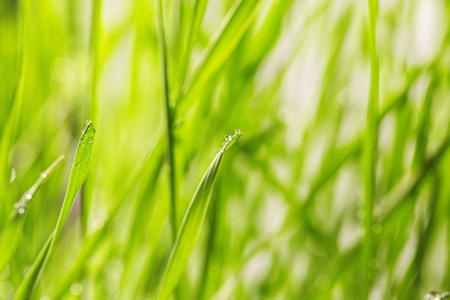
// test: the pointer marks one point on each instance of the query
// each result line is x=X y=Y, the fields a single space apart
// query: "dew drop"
x=228 y=138
x=28 y=196
x=16 y=206
x=237 y=132
x=87 y=122
x=225 y=144
x=21 y=211
x=77 y=165
x=43 y=175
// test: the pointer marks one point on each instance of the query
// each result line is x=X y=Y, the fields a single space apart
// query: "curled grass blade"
x=192 y=223
x=80 y=168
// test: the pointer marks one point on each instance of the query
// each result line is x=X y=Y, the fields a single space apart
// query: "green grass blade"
x=79 y=172
x=424 y=124
x=169 y=120
x=199 y=12
x=152 y=157
x=223 y=42
x=95 y=49
x=10 y=236
x=8 y=133
x=80 y=168
x=192 y=223
x=371 y=145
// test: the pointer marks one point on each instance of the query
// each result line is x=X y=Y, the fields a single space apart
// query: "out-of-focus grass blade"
x=223 y=42
x=199 y=11
x=80 y=168
x=370 y=146
x=268 y=34
x=11 y=123
x=424 y=124
x=11 y=233
x=192 y=223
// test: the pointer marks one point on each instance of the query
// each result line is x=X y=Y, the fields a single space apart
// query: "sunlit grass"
x=337 y=190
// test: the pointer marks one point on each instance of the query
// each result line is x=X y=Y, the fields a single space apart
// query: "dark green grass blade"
x=192 y=223
x=10 y=236
x=169 y=121
x=80 y=168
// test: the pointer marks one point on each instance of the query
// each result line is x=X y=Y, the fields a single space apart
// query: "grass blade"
x=223 y=43
x=370 y=146
x=169 y=120
x=152 y=157
x=198 y=13
x=192 y=223
x=78 y=174
x=12 y=121
x=9 y=238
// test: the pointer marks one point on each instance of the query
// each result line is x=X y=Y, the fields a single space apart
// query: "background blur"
x=286 y=214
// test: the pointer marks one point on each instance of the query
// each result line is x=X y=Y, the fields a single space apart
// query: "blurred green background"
x=287 y=215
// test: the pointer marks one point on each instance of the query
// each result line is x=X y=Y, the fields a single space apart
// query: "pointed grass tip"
x=231 y=139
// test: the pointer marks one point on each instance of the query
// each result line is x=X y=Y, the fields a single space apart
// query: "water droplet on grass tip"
x=237 y=131
x=43 y=175
x=21 y=210
x=28 y=196
x=228 y=138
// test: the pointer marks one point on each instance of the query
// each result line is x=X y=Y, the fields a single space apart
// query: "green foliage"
x=192 y=223
x=338 y=190
x=12 y=231
x=80 y=168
